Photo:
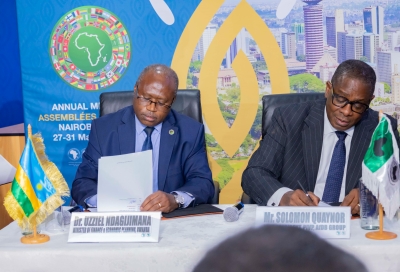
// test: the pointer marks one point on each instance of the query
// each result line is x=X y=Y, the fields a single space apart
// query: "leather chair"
x=187 y=102
x=270 y=103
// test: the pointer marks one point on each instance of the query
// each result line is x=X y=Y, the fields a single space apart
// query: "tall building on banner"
x=386 y=61
x=354 y=46
x=313 y=28
x=373 y=20
x=301 y=48
x=341 y=46
x=331 y=51
x=334 y=24
x=288 y=45
x=330 y=31
x=298 y=28
x=393 y=39
x=241 y=42
x=396 y=85
x=208 y=36
x=370 y=46
x=198 y=51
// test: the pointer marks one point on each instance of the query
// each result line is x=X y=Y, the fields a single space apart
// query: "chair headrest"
x=271 y=102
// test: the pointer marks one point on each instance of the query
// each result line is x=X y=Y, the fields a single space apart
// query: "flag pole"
x=34 y=238
x=381 y=234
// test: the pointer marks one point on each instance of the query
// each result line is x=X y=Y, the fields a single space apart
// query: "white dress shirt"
x=328 y=144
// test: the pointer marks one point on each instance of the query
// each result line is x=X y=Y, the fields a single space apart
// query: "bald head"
x=163 y=70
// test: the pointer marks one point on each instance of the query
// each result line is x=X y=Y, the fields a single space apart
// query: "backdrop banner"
x=234 y=51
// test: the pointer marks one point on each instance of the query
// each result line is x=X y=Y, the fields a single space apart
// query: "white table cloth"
x=182 y=244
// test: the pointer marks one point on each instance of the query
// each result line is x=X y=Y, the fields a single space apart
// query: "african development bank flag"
x=380 y=169
x=37 y=186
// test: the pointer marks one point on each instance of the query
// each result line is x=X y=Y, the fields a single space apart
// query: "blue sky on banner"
x=153 y=34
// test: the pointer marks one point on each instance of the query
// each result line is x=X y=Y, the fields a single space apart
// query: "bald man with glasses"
x=181 y=175
x=317 y=145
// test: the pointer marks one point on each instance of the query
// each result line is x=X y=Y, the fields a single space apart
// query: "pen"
x=302 y=188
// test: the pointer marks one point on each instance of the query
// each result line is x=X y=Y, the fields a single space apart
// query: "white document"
x=323 y=204
x=7 y=171
x=124 y=181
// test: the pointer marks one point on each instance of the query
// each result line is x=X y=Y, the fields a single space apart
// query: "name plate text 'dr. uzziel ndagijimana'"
x=326 y=222
x=115 y=227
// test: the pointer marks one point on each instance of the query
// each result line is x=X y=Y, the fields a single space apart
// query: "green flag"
x=380 y=169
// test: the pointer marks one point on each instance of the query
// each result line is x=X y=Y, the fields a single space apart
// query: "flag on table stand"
x=380 y=168
x=37 y=187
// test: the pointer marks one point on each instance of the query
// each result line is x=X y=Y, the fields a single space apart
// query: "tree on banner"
x=380 y=170
x=37 y=187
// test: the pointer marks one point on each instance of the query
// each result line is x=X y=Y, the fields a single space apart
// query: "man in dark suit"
x=320 y=144
x=181 y=175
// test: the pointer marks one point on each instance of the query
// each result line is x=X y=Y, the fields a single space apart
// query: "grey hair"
x=162 y=69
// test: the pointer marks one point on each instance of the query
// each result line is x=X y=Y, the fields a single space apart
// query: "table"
x=183 y=242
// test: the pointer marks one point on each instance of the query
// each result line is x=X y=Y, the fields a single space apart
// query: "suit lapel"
x=127 y=132
x=168 y=137
x=312 y=136
x=359 y=144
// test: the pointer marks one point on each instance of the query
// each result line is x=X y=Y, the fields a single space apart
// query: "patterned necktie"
x=147 y=145
x=334 y=180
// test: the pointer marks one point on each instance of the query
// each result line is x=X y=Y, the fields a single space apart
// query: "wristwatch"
x=180 y=200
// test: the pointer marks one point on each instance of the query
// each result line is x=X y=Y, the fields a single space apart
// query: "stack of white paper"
x=124 y=181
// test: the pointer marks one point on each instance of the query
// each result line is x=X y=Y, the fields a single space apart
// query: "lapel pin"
x=171 y=132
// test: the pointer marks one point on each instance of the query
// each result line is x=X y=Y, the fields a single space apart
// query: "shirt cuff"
x=275 y=199
x=187 y=198
x=91 y=201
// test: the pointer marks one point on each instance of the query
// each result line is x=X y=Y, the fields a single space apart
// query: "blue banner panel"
x=11 y=110
x=72 y=51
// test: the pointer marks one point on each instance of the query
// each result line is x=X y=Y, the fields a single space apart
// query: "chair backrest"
x=271 y=102
x=186 y=102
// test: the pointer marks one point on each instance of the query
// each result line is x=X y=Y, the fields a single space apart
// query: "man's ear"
x=328 y=86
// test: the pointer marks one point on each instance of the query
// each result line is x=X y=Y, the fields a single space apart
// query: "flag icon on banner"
x=37 y=187
x=380 y=168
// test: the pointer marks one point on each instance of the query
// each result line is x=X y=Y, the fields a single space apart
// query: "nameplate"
x=114 y=227
x=326 y=222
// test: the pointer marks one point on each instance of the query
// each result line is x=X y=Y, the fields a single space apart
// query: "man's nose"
x=346 y=110
x=151 y=106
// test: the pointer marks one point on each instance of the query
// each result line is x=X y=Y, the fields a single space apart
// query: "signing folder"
x=124 y=181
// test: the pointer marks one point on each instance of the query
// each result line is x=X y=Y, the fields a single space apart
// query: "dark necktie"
x=147 y=145
x=336 y=170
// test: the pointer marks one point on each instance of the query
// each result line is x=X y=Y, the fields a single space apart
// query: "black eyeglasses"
x=340 y=101
x=147 y=101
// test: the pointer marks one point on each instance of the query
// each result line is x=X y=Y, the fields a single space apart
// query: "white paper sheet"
x=124 y=181
x=7 y=171
x=323 y=204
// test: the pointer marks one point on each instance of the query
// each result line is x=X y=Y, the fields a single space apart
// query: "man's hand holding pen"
x=299 y=198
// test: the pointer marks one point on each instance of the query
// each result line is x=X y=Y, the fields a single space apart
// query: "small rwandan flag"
x=37 y=186
x=380 y=168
